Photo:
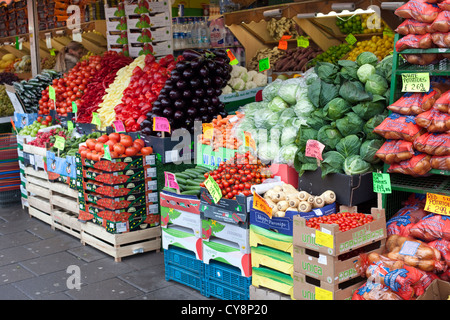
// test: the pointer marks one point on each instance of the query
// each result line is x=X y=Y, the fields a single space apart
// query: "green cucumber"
x=193 y=188
x=182 y=176
x=192 y=183
x=190 y=193
x=181 y=180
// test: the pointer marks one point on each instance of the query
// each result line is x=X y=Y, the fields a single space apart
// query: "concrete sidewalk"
x=36 y=264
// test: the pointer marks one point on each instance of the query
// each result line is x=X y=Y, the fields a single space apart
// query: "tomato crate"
x=124 y=222
x=329 y=240
x=97 y=210
x=120 y=190
x=113 y=178
x=113 y=203
x=117 y=164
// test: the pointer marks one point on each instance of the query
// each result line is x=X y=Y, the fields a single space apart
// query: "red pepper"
x=129 y=122
x=141 y=119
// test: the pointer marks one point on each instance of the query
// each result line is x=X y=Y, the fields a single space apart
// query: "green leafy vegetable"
x=336 y=108
x=370 y=125
x=333 y=162
x=376 y=84
x=330 y=136
x=365 y=71
x=271 y=90
x=367 y=110
x=356 y=165
x=277 y=104
x=368 y=150
x=349 y=145
x=288 y=90
x=353 y=92
x=367 y=57
x=350 y=124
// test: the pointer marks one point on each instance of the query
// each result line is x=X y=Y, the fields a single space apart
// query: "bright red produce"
x=345 y=220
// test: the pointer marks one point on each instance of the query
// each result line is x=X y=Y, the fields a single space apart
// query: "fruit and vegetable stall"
x=315 y=170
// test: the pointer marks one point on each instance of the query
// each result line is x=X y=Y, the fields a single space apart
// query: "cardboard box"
x=62 y=166
x=350 y=190
x=165 y=150
x=261 y=236
x=272 y=258
x=239 y=206
x=118 y=164
x=285 y=225
x=162 y=33
x=227 y=252
x=171 y=216
x=216 y=229
x=113 y=203
x=307 y=288
x=287 y=173
x=334 y=242
x=24 y=119
x=207 y=157
x=331 y=269
x=182 y=237
x=274 y=280
x=119 y=190
x=114 y=178
x=180 y=202
x=437 y=290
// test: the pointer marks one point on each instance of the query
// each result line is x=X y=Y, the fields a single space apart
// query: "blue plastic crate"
x=184 y=277
x=224 y=292
x=226 y=275
x=183 y=258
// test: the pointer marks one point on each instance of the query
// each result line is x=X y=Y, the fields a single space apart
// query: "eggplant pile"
x=192 y=91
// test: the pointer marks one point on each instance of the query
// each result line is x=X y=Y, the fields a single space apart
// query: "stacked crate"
x=325 y=259
x=116 y=28
x=118 y=194
x=10 y=182
x=226 y=247
x=181 y=239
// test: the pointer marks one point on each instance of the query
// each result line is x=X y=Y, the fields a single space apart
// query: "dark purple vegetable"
x=211 y=92
x=190 y=54
x=195 y=83
x=196 y=101
x=188 y=73
x=187 y=94
x=165 y=103
x=179 y=104
x=215 y=100
x=204 y=72
x=178 y=115
x=206 y=82
x=181 y=84
x=191 y=112
x=218 y=82
x=212 y=111
x=197 y=63
x=199 y=92
x=167 y=113
x=174 y=94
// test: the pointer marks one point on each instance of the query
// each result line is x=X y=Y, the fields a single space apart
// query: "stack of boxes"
x=149 y=28
x=116 y=28
x=13 y=18
x=325 y=260
x=119 y=194
x=212 y=237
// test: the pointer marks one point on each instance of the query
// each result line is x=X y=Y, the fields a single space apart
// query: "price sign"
x=324 y=239
x=208 y=130
x=233 y=59
x=381 y=182
x=416 y=82
x=213 y=189
x=74 y=107
x=264 y=64
x=438 y=203
x=249 y=141
x=69 y=125
x=314 y=149
x=351 y=40
x=259 y=203
x=96 y=119
x=60 y=142
x=161 y=124
x=107 y=153
x=118 y=126
x=52 y=52
x=171 y=180
x=282 y=44
x=302 y=42
x=322 y=294
x=51 y=93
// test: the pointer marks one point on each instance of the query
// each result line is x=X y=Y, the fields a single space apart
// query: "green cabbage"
x=356 y=165
x=376 y=84
x=365 y=71
x=326 y=71
x=368 y=109
x=266 y=119
x=330 y=136
x=271 y=90
x=303 y=135
x=288 y=135
x=336 y=108
x=350 y=124
x=367 y=57
x=287 y=154
x=353 y=92
x=332 y=162
x=303 y=163
x=277 y=104
x=288 y=90
x=368 y=150
x=348 y=70
x=349 y=145
x=267 y=151
x=370 y=125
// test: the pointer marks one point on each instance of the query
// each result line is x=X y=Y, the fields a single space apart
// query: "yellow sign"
x=259 y=203
x=208 y=130
x=249 y=141
x=416 y=82
x=322 y=294
x=438 y=203
x=324 y=239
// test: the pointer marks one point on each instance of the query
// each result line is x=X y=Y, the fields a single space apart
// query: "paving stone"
x=9 y=292
x=110 y=289
x=14 y=272
x=17 y=239
x=103 y=269
x=51 y=263
x=174 y=291
x=15 y=254
x=46 y=286
x=59 y=242
x=145 y=260
x=148 y=279
x=87 y=253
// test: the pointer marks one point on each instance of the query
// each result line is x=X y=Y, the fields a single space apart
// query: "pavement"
x=38 y=263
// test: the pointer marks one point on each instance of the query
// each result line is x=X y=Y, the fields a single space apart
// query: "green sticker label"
x=60 y=142
x=96 y=119
x=264 y=64
x=302 y=42
x=74 y=107
x=381 y=182
x=214 y=189
x=351 y=40
x=107 y=154
x=69 y=125
x=51 y=93
x=416 y=82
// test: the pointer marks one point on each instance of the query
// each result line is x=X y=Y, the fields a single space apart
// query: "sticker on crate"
x=182 y=237
x=227 y=252
x=62 y=166
x=181 y=218
x=231 y=232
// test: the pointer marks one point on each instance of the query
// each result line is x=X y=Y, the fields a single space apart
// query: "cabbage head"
x=267 y=151
x=287 y=154
x=266 y=119
x=376 y=84
x=333 y=162
x=356 y=165
x=288 y=90
x=271 y=90
x=368 y=150
x=277 y=104
x=370 y=125
x=303 y=107
x=349 y=145
x=365 y=71
x=330 y=136
x=350 y=124
x=367 y=57
x=336 y=108
x=288 y=135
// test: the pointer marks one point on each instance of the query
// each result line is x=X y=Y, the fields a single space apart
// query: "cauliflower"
x=236 y=71
x=237 y=84
x=250 y=85
x=244 y=75
x=227 y=89
x=251 y=74
x=260 y=79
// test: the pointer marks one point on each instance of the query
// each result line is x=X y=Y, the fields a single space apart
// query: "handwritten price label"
x=416 y=82
x=213 y=189
x=233 y=59
x=351 y=40
x=161 y=124
x=282 y=44
x=208 y=130
x=107 y=153
x=381 y=182
x=118 y=126
x=302 y=42
x=438 y=203
x=60 y=142
x=96 y=119
x=171 y=180
x=74 y=107
x=264 y=64
x=314 y=149
x=259 y=203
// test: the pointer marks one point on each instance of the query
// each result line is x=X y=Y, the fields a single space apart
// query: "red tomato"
x=99 y=146
x=90 y=143
x=119 y=149
x=103 y=138
x=140 y=141
x=114 y=136
x=126 y=140
x=111 y=144
x=131 y=151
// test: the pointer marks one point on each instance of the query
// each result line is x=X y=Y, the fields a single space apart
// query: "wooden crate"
x=121 y=245
x=66 y=221
x=266 y=294
x=39 y=214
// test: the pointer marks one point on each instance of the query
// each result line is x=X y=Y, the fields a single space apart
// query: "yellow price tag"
x=249 y=141
x=322 y=294
x=416 y=82
x=324 y=239
x=259 y=203
x=438 y=203
x=208 y=130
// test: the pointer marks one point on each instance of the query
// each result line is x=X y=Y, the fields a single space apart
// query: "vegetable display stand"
x=437 y=181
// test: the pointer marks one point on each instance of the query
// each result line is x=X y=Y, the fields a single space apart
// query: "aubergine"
x=211 y=92
x=187 y=94
x=215 y=100
x=190 y=54
x=204 y=71
x=195 y=82
x=179 y=104
x=206 y=82
x=174 y=94
x=188 y=73
x=196 y=101
x=191 y=112
x=199 y=92
x=165 y=102
x=168 y=113
x=181 y=84
x=178 y=115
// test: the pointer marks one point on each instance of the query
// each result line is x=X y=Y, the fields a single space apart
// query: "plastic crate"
x=227 y=275
x=221 y=291
x=184 y=258
x=10 y=196
x=184 y=277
